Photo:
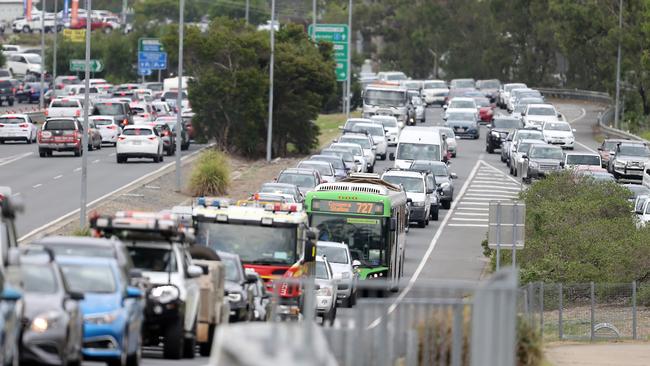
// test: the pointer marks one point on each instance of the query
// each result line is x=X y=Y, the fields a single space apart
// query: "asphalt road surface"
x=446 y=249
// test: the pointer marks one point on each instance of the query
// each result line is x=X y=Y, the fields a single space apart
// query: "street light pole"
x=248 y=6
x=618 y=65
x=347 y=94
x=56 y=36
x=179 y=97
x=313 y=21
x=84 y=139
x=40 y=97
x=269 y=132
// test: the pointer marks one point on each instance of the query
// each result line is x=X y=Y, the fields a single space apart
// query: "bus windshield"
x=364 y=236
x=260 y=245
x=391 y=98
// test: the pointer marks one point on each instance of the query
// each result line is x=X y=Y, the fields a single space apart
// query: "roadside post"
x=42 y=86
x=179 y=97
x=506 y=228
x=84 y=140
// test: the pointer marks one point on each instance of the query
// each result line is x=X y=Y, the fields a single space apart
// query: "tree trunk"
x=644 y=100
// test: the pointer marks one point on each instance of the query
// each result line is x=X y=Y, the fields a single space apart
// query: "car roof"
x=279 y=185
x=321 y=156
x=13 y=115
x=532 y=141
x=73 y=259
x=403 y=173
x=332 y=244
x=355 y=135
x=545 y=145
x=582 y=154
x=429 y=162
x=140 y=126
x=298 y=171
x=541 y=105
x=229 y=255
x=466 y=99
x=315 y=162
x=344 y=144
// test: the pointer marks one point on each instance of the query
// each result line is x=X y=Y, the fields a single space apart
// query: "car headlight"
x=444 y=184
x=619 y=164
x=533 y=165
x=324 y=291
x=234 y=297
x=164 y=294
x=495 y=134
x=102 y=318
x=346 y=275
x=418 y=204
x=45 y=321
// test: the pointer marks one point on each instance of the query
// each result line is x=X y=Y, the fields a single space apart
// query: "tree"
x=258 y=11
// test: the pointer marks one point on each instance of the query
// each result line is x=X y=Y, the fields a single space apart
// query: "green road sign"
x=150 y=45
x=79 y=65
x=338 y=35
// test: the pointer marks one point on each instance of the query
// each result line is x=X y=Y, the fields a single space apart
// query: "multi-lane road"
x=446 y=249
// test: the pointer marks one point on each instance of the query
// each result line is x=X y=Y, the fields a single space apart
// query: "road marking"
x=432 y=245
x=76 y=170
x=467 y=219
x=586 y=147
x=475 y=203
x=472 y=199
x=14 y=158
x=504 y=194
x=37 y=185
x=582 y=115
x=95 y=161
x=472 y=209
x=15 y=194
x=58 y=177
x=508 y=187
x=500 y=190
x=504 y=174
x=468 y=225
x=471 y=213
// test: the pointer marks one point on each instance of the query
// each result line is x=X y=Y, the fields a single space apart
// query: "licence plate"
x=137 y=142
x=58 y=138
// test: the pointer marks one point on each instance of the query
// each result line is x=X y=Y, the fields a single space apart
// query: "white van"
x=646 y=176
x=419 y=143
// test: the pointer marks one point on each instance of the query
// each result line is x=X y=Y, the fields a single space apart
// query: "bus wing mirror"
x=393 y=224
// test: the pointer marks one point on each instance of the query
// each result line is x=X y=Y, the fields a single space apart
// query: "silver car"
x=523 y=148
x=325 y=169
x=376 y=130
x=326 y=291
x=338 y=255
x=540 y=161
x=367 y=144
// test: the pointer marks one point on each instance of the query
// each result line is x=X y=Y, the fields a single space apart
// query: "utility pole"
x=248 y=6
x=56 y=36
x=313 y=21
x=269 y=132
x=347 y=94
x=124 y=9
x=618 y=65
x=179 y=97
x=84 y=139
x=40 y=97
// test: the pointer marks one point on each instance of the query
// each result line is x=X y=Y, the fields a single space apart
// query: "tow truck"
x=175 y=314
x=273 y=240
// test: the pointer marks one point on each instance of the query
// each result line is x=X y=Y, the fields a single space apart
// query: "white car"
x=144 y=112
x=338 y=255
x=24 y=63
x=419 y=108
x=65 y=107
x=326 y=292
x=504 y=93
x=461 y=104
x=517 y=158
x=535 y=115
x=452 y=144
x=161 y=108
x=108 y=128
x=17 y=127
x=378 y=134
x=139 y=141
x=366 y=144
x=435 y=92
x=391 y=126
x=582 y=160
x=559 y=133
x=415 y=185
x=357 y=152
x=325 y=169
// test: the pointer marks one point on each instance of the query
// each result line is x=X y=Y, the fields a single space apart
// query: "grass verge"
x=210 y=175
x=329 y=126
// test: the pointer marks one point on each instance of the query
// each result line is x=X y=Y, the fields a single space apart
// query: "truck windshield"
x=364 y=236
x=407 y=151
x=254 y=244
x=391 y=98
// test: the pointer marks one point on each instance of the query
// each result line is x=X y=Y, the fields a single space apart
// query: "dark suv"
x=499 y=129
x=60 y=134
x=120 y=111
x=7 y=92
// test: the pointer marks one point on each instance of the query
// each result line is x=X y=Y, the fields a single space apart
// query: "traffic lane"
x=153 y=357
x=50 y=187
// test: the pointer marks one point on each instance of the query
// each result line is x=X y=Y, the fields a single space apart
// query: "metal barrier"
x=442 y=323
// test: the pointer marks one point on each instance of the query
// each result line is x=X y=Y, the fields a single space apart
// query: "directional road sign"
x=150 y=45
x=338 y=35
x=152 y=60
x=80 y=65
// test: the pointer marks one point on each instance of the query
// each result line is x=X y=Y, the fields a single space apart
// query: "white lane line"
x=95 y=161
x=37 y=185
x=475 y=203
x=582 y=115
x=76 y=170
x=508 y=187
x=58 y=177
x=14 y=158
x=587 y=147
x=488 y=199
x=504 y=174
x=472 y=209
x=501 y=180
x=471 y=213
x=467 y=225
x=427 y=254
x=491 y=195
x=468 y=219
x=496 y=191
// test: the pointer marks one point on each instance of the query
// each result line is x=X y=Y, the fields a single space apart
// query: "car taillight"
x=13 y=90
x=23 y=125
x=166 y=133
x=39 y=136
x=111 y=127
x=1 y=125
x=77 y=113
x=125 y=122
x=45 y=113
x=121 y=138
x=152 y=138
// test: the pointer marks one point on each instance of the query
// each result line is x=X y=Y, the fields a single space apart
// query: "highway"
x=446 y=249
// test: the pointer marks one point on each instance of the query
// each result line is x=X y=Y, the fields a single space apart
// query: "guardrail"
x=605 y=119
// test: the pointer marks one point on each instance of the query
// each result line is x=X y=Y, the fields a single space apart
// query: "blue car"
x=113 y=311
x=10 y=325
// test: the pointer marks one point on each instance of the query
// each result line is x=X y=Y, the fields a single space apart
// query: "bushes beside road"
x=579 y=230
x=210 y=175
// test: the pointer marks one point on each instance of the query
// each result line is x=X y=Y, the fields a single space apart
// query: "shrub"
x=529 y=345
x=83 y=231
x=211 y=174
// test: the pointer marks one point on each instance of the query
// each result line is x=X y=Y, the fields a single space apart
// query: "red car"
x=96 y=23
x=485 y=109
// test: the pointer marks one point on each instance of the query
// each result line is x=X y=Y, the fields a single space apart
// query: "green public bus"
x=370 y=216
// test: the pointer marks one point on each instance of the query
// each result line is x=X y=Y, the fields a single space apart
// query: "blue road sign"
x=152 y=60
x=144 y=72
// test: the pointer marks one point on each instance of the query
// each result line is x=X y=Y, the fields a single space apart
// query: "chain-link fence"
x=587 y=311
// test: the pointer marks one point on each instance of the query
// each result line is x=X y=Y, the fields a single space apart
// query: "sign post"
x=506 y=227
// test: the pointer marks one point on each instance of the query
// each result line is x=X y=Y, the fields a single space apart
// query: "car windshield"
x=233 y=269
x=410 y=184
x=336 y=163
x=11 y=120
x=354 y=150
x=108 y=109
x=449 y=133
x=557 y=126
x=65 y=104
x=541 y=112
x=32 y=58
x=439 y=170
x=407 y=151
x=524 y=147
x=363 y=142
x=583 y=160
x=89 y=278
x=137 y=132
x=59 y=125
x=482 y=102
x=511 y=87
x=412 y=84
x=392 y=98
x=459 y=83
x=153 y=259
x=633 y=150
x=435 y=85
x=460 y=116
x=610 y=145
x=506 y=123
x=254 y=244
x=396 y=76
x=333 y=254
x=530 y=135
x=544 y=152
x=174 y=95
x=364 y=236
x=33 y=278
x=387 y=122
x=637 y=190
x=278 y=189
x=462 y=104
x=138 y=110
x=300 y=180
x=103 y=122
x=488 y=84
x=372 y=130
x=321 y=271
x=83 y=250
x=323 y=169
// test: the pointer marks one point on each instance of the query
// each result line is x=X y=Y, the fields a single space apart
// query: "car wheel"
x=189 y=346
x=206 y=347
x=26 y=29
x=174 y=342
x=171 y=150
x=42 y=153
x=422 y=224
x=99 y=146
x=185 y=146
x=371 y=169
x=453 y=155
x=91 y=147
x=29 y=140
x=514 y=172
x=489 y=149
x=161 y=158
x=434 y=214
x=446 y=205
x=135 y=358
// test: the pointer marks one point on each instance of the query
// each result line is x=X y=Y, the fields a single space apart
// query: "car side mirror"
x=76 y=296
x=162 y=99
x=562 y=164
x=251 y=278
x=374 y=148
x=409 y=200
x=573 y=130
x=430 y=191
x=205 y=268
x=523 y=114
x=600 y=149
x=488 y=126
x=400 y=125
x=356 y=263
x=524 y=156
x=194 y=271
x=391 y=156
x=133 y=293
x=559 y=115
x=453 y=176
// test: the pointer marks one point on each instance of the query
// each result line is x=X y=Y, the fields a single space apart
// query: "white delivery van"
x=419 y=143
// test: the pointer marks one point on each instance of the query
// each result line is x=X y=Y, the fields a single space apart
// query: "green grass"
x=645 y=135
x=329 y=126
x=210 y=175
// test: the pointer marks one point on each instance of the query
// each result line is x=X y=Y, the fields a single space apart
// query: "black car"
x=238 y=288
x=52 y=323
x=499 y=129
x=7 y=92
x=120 y=111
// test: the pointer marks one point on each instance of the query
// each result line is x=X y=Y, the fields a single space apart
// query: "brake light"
x=39 y=136
x=45 y=113
x=76 y=136
x=23 y=125
x=111 y=127
x=125 y=122
x=77 y=113
x=166 y=133
x=1 y=125
x=152 y=138
x=13 y=90
x=121 y=138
